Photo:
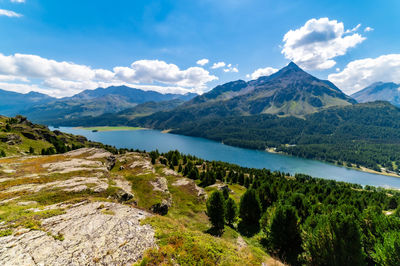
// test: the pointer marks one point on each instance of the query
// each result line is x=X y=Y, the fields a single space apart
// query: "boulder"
x=160 y=208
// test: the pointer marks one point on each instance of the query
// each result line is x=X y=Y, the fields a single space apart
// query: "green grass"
x=106 y=128
x=21 y=216
x=180 y=245
x=143 y=190
x=17 y=149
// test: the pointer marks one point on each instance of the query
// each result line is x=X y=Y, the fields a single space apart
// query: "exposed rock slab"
x=188 y=182
x=75 y=184
x=160 y=184
x=73 y=165
x=99 y=233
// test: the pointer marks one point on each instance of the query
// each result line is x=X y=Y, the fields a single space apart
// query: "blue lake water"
x=210 y=150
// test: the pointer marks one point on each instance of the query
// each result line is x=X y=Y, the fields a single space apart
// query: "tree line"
x=300 y=219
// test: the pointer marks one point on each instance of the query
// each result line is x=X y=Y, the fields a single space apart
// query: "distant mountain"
x=12 y=103
x=289 y=92
x=379 y=91
x=121 y=118
x=132 y=95
x=93 y=103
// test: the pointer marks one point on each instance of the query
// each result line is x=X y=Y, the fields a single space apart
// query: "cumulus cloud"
x=9 y=13
x=318 y=42
x=231 y=68
x=361 y=73
x=149 y=71
x=17 y=1
x=262 y=72
x=368 y=29
x=202 y=62
x=67 y=78
x=218 y=65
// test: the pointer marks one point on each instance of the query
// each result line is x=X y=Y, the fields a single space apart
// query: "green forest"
x=359 y=135
x=299 y=219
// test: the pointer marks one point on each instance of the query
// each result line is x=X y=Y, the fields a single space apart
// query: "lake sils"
x=210 y=150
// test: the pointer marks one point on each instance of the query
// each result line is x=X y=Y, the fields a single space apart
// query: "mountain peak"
x=292 y=65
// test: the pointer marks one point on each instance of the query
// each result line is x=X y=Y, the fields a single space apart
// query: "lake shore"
x=109 y=128
x=362 y=168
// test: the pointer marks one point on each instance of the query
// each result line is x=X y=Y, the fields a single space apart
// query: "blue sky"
x=108 y=41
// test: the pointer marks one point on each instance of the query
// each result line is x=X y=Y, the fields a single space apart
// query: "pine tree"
x=285 y=234
x=250 y=211
x=230 y=211
x=216 y=210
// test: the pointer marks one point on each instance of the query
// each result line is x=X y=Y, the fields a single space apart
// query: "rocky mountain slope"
x=379 y=91
x=289 y=92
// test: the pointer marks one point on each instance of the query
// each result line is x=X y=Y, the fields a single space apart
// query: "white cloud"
x=13 y=78
x=202 y=62
x=218 y=65
x=9 y=13
x=353 y=29
x=37 y=67
x=262 y=72
x=361 y=73
x=367 y=29
x=149 y=71
x=318 y=42
x=230 y=68
x=66 y=78
x=21 y=88
x=17 y=1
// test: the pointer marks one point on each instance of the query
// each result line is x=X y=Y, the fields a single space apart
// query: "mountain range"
x=381 y=91
x=11 y=103
x=289 y=92
x=89 y=103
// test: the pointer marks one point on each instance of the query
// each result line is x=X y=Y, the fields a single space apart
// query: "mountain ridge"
x=379 y=91
x=288 y=92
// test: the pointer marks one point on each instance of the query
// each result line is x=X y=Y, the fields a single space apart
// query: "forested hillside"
x=299 y=219
x=361 y=135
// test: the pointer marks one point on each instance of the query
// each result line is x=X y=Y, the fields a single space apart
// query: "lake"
x=210 y=150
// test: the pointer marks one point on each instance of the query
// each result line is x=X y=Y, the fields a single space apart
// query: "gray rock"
x=99 y=233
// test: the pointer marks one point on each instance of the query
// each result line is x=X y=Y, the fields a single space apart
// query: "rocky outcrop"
x=161 y=208
x=160 y=184
x=11 y=139
x=189 y=182
x=99 y=233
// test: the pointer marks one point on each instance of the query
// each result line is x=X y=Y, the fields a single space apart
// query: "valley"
x=119 y=205
x=216 y=151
